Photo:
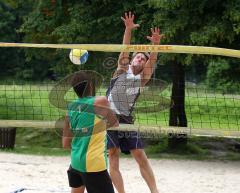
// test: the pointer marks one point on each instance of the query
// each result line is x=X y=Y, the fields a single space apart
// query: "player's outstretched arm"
x=155 y=39
x=128 y=20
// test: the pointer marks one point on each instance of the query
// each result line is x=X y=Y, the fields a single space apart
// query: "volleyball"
x=78 y=56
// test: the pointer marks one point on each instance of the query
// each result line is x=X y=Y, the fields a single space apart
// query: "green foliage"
x=7 y=23
x=223 y=75
x=7 y=34
x=200 y=22
x=197 y=22
x=68 y=22
x=77 y=22
x=12 y=14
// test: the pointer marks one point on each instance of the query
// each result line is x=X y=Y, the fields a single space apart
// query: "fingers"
x=126 y=15
x=128 y=20
x=155 y=30
x=156 y=36
x=149 y=38
x=162 y=36
x=132 y=17
x=129 y=15
x=152 y=30
x=136 y=25
x=122 y=18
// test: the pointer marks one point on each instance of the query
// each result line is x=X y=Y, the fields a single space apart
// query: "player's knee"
x=113 y=154
x=140 y=157
x=78 y=190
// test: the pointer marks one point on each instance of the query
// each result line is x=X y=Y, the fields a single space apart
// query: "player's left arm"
x=155 y=39
x=67 y=134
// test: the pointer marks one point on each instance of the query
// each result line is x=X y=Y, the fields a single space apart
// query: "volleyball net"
x=162 y=106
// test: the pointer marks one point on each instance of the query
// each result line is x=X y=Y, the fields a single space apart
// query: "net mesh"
x=161 y=107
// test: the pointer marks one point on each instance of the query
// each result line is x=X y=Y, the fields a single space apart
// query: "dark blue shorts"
x=125 y=140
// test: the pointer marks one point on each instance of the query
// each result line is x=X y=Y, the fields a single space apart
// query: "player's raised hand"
x=129 y=21
x=156 y=36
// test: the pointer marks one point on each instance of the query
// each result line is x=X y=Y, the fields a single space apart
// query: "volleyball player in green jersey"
x=85 y=132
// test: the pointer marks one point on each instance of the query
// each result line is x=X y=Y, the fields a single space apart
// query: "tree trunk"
x=177 y=111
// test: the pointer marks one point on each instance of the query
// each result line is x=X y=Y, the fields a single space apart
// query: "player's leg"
x=136 y=147
x=145 y=169
x=98 y=182
x=75 y=181
x=113 y=155
x=78 y=190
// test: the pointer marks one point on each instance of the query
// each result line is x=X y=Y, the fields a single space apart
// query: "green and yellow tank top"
x=89 y=143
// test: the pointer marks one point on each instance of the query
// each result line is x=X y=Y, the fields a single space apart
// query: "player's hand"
x=156 y=36
x=129 y=21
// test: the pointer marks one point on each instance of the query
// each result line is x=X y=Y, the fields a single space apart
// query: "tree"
x=8 y=57
x=64 y=21
x=199 y=22
x=92 y=22
x=12 y=15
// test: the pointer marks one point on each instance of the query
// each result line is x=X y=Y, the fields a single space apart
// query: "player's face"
x=138 y=62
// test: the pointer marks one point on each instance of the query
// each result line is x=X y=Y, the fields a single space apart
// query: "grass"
x=38 y=142
x=27 y=102
x=197 y=148
x=203 y=109
x=48 y=142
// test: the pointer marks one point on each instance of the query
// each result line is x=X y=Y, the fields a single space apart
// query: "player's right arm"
x=102 y=108
x=123 y=59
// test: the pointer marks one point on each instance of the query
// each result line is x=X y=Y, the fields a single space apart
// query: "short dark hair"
x=82 y=84
x=146 y=54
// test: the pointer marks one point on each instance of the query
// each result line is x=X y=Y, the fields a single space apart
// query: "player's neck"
x=134 y=71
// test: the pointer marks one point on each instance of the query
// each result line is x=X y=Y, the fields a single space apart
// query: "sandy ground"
x=46 y=174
